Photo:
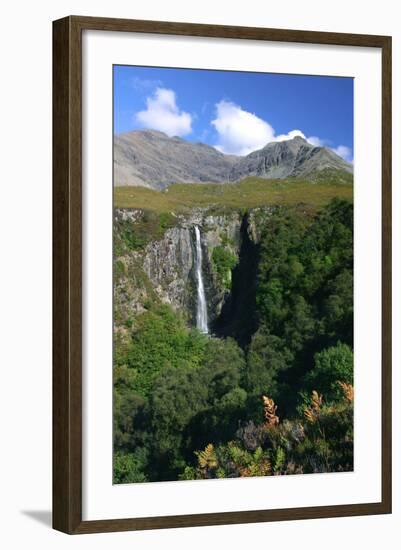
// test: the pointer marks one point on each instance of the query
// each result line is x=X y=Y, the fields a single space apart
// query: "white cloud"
x=290 y=135
x=344 y=152
x=239 y=131
x=313 y=140
x=163 y=114
x=316 y=141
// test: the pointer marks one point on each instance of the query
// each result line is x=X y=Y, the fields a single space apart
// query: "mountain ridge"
x=150 y=158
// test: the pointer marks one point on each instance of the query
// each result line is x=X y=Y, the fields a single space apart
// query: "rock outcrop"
x=163 y=270
x=293 y=158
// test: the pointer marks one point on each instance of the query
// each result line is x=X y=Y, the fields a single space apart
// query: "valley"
x=233 y=313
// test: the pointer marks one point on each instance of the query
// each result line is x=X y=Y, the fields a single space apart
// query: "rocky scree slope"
x=149 y=158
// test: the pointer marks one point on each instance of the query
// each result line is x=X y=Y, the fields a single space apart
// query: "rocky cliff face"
x=163 y=269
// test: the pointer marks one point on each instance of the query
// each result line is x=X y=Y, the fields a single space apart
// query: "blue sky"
x=236 y=112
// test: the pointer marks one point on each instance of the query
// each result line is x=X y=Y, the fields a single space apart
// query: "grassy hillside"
x=249 y=193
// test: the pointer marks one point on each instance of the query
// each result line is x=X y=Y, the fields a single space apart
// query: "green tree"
x=129 y=467
x=267 y=358
x=337 y=307
x=188 y=405
x=332 y=365
x=304 y=288
x=161 y=339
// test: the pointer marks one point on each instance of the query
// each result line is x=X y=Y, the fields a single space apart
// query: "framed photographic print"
x=222 y=275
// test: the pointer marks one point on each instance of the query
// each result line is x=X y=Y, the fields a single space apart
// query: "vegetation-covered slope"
x=249 y=193
x=189 y=405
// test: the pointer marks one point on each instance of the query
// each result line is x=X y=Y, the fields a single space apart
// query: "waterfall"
x=201 y=307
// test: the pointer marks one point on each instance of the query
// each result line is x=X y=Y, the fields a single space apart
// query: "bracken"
x=270 y=412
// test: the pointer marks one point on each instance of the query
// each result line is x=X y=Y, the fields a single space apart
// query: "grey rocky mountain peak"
x=150 y=158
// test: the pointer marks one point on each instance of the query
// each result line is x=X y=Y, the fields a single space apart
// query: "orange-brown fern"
x=262 y=468
x=207 y=459
x=348 y=390
x=270 y=412
x=312 y=412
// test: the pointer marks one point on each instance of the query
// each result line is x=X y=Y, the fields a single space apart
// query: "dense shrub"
x=224 y=262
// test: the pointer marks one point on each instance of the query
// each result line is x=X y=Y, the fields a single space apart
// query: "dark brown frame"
x=67 y=278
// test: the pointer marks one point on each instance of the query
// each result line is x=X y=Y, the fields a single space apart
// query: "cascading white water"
x=201 y=309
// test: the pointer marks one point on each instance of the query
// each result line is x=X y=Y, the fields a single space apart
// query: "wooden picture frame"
x=67 y=274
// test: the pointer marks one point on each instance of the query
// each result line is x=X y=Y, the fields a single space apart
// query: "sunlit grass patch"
x=249 y=193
